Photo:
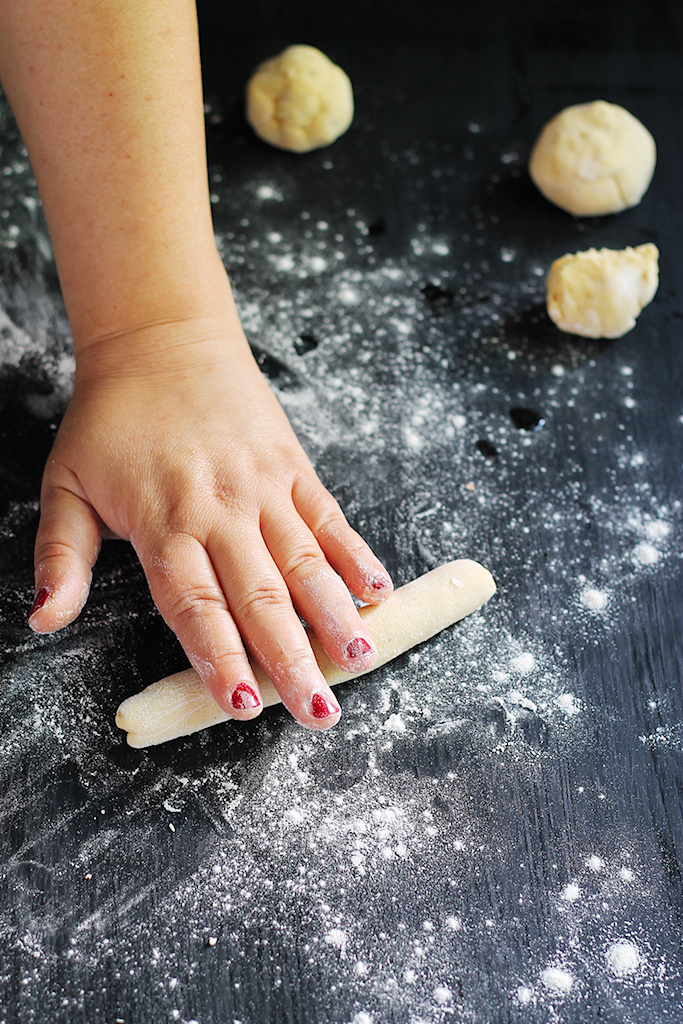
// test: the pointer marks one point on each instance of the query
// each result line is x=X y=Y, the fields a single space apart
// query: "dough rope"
x=180 y=704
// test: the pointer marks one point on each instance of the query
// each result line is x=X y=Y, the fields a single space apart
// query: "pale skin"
x=172 y=440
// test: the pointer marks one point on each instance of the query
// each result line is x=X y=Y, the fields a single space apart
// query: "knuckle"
x=266 y=598
x=224 y=492
x=231 y=490
x=184 y=516
x=230 y=663
x=192 y=603
x=330 y=520
x=193 y=511
x=302 y=565
x=336 y=530
x=52 y=551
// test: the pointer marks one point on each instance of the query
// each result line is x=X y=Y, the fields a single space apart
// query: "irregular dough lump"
x=593 y=159
x=299 y=100
x=600 y=292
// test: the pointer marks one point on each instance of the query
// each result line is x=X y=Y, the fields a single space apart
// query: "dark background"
x=503 y=803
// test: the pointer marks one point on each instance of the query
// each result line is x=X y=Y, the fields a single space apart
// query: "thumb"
x=67 y=546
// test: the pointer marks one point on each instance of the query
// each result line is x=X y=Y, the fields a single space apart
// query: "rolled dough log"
x=180 y=704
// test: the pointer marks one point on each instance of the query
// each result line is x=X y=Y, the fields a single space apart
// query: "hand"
x=174 y=441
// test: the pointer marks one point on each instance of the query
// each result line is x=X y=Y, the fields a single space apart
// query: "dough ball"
x=299 y=100
x=593 y=158
x=600 y=292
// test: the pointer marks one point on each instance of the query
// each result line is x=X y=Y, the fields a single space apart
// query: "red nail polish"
x=357 y=647
x=321 y=707
x=380 y=583
x=243 y=697
x=42 y=597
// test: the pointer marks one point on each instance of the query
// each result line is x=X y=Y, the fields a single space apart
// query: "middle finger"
x=261 y=606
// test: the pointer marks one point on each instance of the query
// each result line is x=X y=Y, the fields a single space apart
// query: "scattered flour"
x=557 y=980
x=623 y=958
x=410 y=798
x=594 y=599
x=523 y=663
x=567 y=703
x=646 y=554
x=294 y=815
x=443 y=995
x=268 y=192
x=337 y=938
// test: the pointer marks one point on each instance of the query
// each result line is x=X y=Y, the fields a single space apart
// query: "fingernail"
x=42 y=597
x=321 y=707
x=357 y=648
x=380 y=583
x=243 y=697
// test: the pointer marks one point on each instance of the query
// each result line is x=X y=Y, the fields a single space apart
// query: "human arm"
x=172 y=439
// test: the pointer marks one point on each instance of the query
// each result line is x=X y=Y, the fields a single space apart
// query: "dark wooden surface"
x=506 y=802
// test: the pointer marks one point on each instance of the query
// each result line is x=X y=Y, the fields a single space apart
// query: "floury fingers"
x=180 y=704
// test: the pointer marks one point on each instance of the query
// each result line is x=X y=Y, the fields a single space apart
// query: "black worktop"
x=494 y=831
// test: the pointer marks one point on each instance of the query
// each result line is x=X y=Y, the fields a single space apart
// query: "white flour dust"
x=398 y=376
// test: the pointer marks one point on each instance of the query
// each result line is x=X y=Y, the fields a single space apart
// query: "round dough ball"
x=299 y=100
x=593 y=158
x=600 y=292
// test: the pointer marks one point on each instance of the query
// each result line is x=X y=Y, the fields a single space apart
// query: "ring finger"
x=260 y=604
x=318 y=592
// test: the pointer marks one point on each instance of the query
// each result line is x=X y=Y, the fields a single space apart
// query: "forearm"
x=172 y=438
x=108 y=97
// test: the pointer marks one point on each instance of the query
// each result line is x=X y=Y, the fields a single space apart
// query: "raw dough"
x=593 y=158
x=299 y=100
x=600 y=292
x=180 y=704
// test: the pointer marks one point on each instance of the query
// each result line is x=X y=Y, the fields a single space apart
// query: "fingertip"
x=67 y=546
x=57 y=605
x=360 y=654
x=229 y=679
x=40 y=623
x=242 y=701
x=323 y=711
x=378 y=587
x=43 y=595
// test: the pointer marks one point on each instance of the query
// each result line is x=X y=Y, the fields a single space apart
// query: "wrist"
x=185 y=287
x=198 y=325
